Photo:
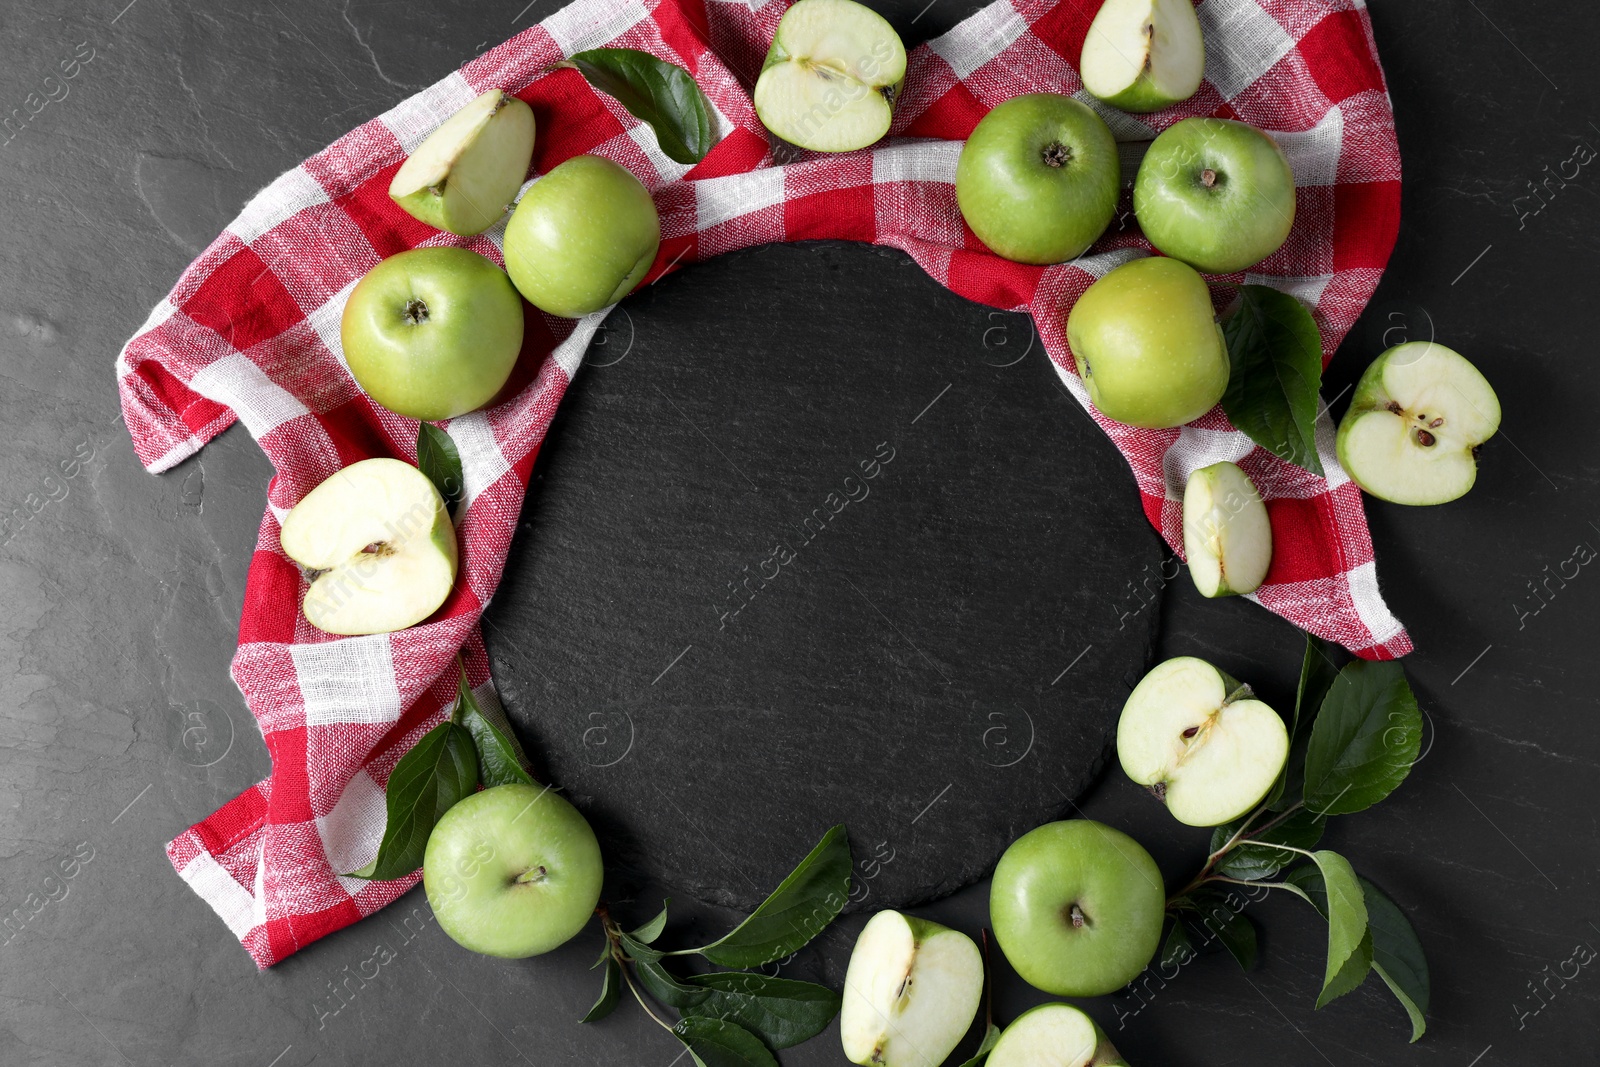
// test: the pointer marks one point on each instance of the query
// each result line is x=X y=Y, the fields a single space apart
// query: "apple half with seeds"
x=467 y=173
x=378 y=541
x=1227 y=537
x=832 y=76
x=1200 y=742
x=1143 y=55
x=1412 y=433
x=910 y=993
x=1055 y=1035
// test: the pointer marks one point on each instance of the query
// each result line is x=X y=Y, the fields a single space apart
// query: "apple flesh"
x=1227 y=537
x=1147 y=344
x=1038 y=179
x=582 y=237
x=512 y=871
x=831 y=77
x=1200 y=742
x=1054 y=1035
x=1143 y=55
x=910 y=993
x=464 y=177
x=432 y=333
x=1077 y=907
x=1412 y=433
x=380 y=542
x=1215 y=193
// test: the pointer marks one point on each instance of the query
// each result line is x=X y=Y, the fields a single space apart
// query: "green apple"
x=1147 y=344
x=467 y=173
x=1054 y=1035
x=1227 y=537
x=831 y=77
x=1077 y=907
x=582 y=237
x=512 y=871
x=1143 y=55
x=1038 y=179
x=432 y=333
x=378 y=540
x=1215 y=193
x=910 y=993
x=1200 y=741
x=1412 y=433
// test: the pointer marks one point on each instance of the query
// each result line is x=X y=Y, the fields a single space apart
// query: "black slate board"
x=904 y=666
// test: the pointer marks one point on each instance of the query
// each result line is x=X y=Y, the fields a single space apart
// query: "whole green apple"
x=1077 y=908
x=512 y=871
x=432 y=333
x=1147 y=344
x=1039 y=178
x=582 y=237
x=1215 y=193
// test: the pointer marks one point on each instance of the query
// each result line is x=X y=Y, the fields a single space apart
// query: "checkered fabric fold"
x=251 y=331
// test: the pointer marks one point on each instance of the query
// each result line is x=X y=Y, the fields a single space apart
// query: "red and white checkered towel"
x=251 y=331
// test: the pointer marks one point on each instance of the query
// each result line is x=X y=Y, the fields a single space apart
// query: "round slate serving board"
x=813 y=541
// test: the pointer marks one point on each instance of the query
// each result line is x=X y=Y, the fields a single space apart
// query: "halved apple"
x=1054 y=1035
x=910 y=993
x=831 y=77
x=378 y=540
x=467 y=173
x=1412 y=433
x=1200 y=741
x=1227 y=536
x=1143 y=55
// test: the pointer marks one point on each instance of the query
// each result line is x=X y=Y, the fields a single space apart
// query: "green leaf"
x=661 y=983
x=610 y=992
x=779 y=1011
x=1178 y=949
x=798 y=910
x=991 y=1037
x=654 y=91
x=500 y=756
x=1317 y=673
x=1221 y=920
x=1334 y=890
x=1275 y=354
x=1397 y=956
x=439 y=770
x=1365 y=739
x=719 y=1043
x=1254 y=858
x=652 y=929
x=438 y=459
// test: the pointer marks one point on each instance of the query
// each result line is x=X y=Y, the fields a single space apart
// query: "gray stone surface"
x=122 y=593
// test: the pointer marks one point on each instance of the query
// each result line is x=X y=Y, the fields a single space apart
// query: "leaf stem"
x=613 y=934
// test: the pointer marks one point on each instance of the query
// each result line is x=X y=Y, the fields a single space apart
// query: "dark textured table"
x=121 y=727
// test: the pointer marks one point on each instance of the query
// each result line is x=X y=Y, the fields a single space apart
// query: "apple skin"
x=1229 y=221
x=1038 y=179
x=512 y=871
x=432 y=333
x=1147 y=344
x=582 y=237
x=1102 y=874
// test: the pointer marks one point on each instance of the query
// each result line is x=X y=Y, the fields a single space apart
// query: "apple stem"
x=1208 y=177
x=1079 y=921
x=538 y=874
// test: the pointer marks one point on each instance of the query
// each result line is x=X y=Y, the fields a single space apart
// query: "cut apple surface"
x=1143 y=55
x=467 y=173
x=1227 y=536
x=910 y=993
x=1054 y=1035
x=380 y=542
x=830 y=80
x=1412 y=433
x=1200 y=741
